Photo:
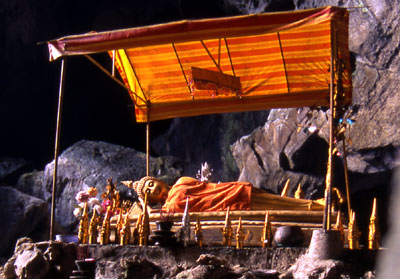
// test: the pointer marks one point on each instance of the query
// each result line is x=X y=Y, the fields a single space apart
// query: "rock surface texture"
x=89 y=163
x=21 y=215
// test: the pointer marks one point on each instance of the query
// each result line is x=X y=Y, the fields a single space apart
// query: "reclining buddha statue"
x=204 y=196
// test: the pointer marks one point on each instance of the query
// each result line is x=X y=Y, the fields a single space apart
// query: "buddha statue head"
x=157 y=190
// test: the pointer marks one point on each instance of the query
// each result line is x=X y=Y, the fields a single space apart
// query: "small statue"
x=239 y=235
x=205 y=173
x=227 y=231
x=198 y=234
x=93 y=232
x=266 y=237
x=354 y=233
x=125 y=232
x=135 y=233
x=111 y=194
x=185 y=230
x=144 y=229
x=105 y=228
x=339 y=226
x=119 y=224
x=374 y=234
x=83 y=225
x=299 y=194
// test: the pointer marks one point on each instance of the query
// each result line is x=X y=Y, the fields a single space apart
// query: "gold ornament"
x=227 y=230
x=83 y=226
x=266 y=237
x=354 y=233
x=373 y=234
x=239 y=235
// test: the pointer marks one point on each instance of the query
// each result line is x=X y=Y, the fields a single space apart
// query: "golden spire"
x=93 y=228
x=135 y=233
x=125 y=231
x=83 y=225
x=299 y=194
x=373 y=234
x=354 y=233
x=339 y=226
x=227 y=230
x=266 y=237
x=285 y=190
x=105 y=228
x=239 y=235
x=144 y=229
x=119 y=224
x=198 y=234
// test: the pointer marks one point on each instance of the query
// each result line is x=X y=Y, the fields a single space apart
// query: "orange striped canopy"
x=231 y=64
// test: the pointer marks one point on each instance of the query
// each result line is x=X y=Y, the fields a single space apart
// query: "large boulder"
x=40 y=260
x=91 y=163
x=21 y=215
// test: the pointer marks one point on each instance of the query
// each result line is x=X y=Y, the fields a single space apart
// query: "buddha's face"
x=157 y=191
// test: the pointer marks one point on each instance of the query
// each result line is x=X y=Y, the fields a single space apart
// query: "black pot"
x=164 y=225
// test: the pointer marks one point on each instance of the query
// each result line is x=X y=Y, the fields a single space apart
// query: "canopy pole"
x=329 y=174
x=230 y=58
x=147 y=148
x=209 y=54
x=113 y=64
x=56 y=148
x=283 y=61
x=346 y=176
x=183 y=71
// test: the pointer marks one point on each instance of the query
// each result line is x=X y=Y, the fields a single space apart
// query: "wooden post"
x=147 y=148
x=346 y=176
x=56 y=148
x=329 y=176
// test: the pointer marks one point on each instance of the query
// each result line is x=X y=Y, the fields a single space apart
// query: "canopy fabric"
x=242 y=63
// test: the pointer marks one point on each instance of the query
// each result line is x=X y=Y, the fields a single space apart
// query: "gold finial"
x=227 y=230
x=105 y=228
x=239 y=235
x=339 y=226
x=119 y=224
x=299 y=194
x=354 y=233
x=285 y=190
x=144 y=229
x=266 y=237
x=373 y=234
x=125 y=231
x=93 y=228
x=135 y=233
x=198 y=234
x=83 y=226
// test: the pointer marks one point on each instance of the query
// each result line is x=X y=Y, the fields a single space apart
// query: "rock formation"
x=21 y=215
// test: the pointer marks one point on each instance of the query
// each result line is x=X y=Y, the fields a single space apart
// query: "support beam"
x=329 y=175
x=56 y=148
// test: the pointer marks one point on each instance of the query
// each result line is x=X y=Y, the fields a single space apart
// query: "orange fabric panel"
x=282 y=60
x=205 y=196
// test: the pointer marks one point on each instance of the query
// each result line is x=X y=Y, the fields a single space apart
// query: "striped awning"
x=242 y=63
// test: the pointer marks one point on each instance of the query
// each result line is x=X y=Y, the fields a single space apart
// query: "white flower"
x=100 y=210
x=77 y=212
x=94 y=201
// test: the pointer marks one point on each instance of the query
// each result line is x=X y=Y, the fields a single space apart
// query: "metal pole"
x=346 y=177
x=56 y=148
x=329 y=176
x=147 y=148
